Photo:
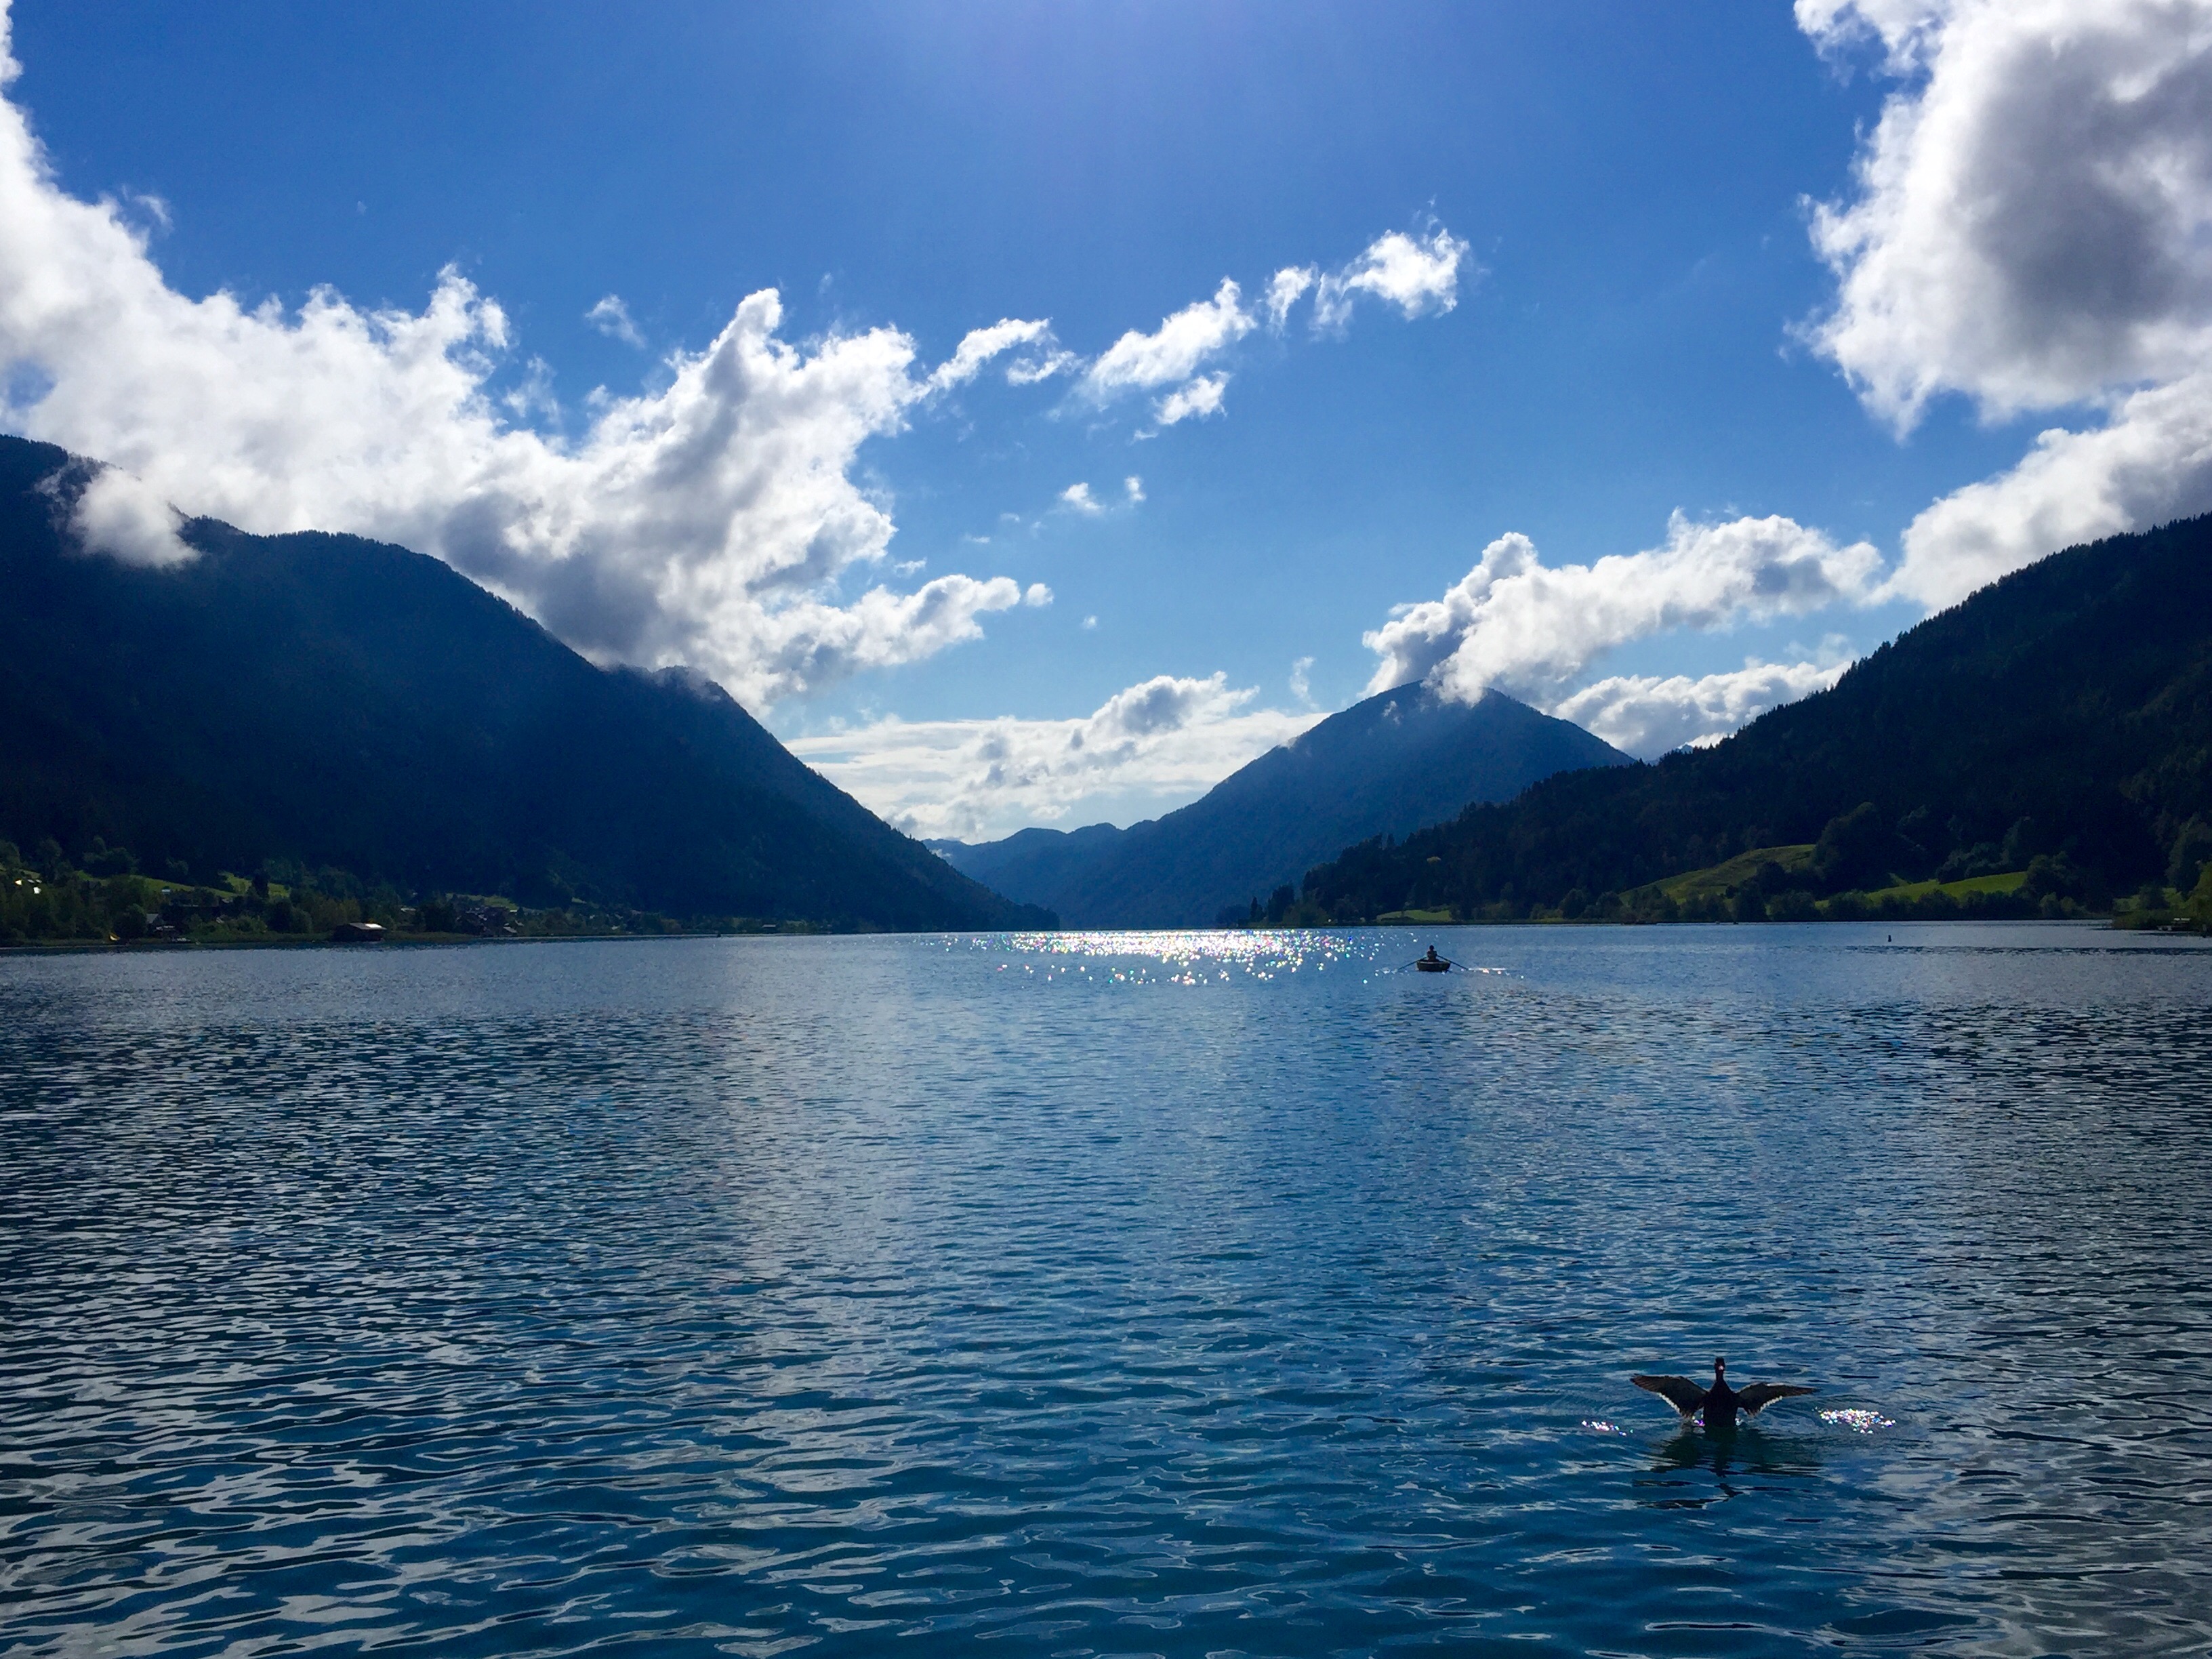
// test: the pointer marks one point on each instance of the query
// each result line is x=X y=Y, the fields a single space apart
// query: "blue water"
x=1084 y=1295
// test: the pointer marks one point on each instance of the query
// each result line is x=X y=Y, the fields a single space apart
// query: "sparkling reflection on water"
x=1108 y=1294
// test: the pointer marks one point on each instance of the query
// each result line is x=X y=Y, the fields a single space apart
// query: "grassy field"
x=1718 y=878
x=2006 y=883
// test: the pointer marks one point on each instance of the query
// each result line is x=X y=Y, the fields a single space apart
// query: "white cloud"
x=1419 y=276
x=715 y=521
x=1530 y=630
x=1077 y=498
x=1164 y=742
x=712 y=522
x=1028 y=371
x=156 y=209
x=119 y=515
x=2032 y=229
x=1174 y=351
x=1647 y=716
x=1302 y=680
x=2031 y=221
x=980 y=345
x=1197 y=400
x=1901 y=27
x=2151 y=462
x=612 y=318
x=1170 y=356
x=1285 y=289
x=1416 y=275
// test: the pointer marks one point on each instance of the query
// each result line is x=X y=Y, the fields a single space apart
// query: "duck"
x=1720 y=1403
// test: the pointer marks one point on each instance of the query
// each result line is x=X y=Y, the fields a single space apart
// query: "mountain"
x=1382 y=767
x=2059 y=720
x=333 y=701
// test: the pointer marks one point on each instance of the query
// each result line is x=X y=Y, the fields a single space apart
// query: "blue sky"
x=1633 y=332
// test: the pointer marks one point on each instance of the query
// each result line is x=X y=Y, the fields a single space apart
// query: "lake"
x=1090 y=1294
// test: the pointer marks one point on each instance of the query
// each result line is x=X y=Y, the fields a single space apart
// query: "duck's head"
x=1720 y=1366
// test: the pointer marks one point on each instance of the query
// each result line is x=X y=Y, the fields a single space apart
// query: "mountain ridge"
x=335 y=701
x=2063 y=713
x=1387 y=765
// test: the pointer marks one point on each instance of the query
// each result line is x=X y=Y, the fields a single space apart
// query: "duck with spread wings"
x=1720 y=1403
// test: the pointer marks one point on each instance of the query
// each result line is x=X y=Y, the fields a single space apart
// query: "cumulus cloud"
x=1132 y=489
x=120 y=516
x=1174 y=350
x=2150 y=462
x=712 y=522
x=2030 y=228
x=1195 y=401
x=612 y=318
x=1529 y=630
x=1418 y=275
x=1163 y=740
x=1649 y=716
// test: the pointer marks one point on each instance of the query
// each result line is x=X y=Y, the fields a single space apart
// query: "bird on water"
x=1720 y=1403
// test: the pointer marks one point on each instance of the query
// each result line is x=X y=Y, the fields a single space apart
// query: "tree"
x=1853 y=851
x=2192 y=849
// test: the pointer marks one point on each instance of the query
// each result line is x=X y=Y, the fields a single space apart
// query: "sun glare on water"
x=1865 y=1422
x=1188 y=957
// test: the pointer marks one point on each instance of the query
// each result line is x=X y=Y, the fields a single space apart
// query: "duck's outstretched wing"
x=1765 y=1394
x=1684 y=1396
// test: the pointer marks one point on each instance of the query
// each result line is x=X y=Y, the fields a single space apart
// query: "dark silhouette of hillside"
x=329 y=701
x=2062 y=714
x=1382 y=767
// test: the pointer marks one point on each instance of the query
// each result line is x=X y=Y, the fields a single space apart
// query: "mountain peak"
x=335 y=701
x=1387 y=765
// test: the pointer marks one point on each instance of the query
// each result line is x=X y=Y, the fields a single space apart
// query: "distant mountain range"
x=326 y=701
x=332 y=702
x=2063 y=714
x=1383 y=767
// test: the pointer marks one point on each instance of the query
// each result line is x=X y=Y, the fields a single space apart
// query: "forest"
x=342 y=704
x=2056 y=725
x=45 y=899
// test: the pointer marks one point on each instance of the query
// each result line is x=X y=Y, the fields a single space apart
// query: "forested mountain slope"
x=1385 y=766
x=335 y=701
x=2065 y=711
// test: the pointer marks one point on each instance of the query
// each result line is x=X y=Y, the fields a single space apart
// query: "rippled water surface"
x=1089 y=1295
